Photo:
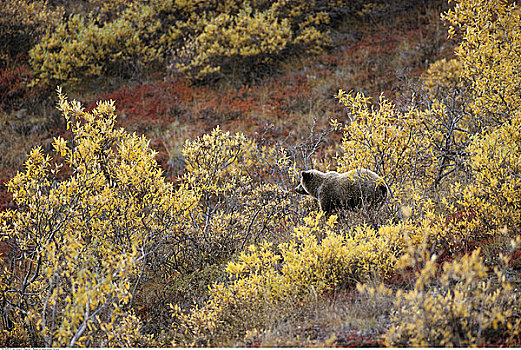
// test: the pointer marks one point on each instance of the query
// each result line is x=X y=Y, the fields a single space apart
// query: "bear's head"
x=310 y=180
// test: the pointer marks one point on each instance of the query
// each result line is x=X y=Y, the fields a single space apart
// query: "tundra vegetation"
x=162 y=213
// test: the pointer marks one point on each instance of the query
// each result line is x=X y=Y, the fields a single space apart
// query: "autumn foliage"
x=193 y=38
x=103 y=248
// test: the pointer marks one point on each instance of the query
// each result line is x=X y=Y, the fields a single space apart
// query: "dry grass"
x=344 y=319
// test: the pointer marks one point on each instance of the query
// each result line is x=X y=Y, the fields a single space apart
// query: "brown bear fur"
x=352 y=190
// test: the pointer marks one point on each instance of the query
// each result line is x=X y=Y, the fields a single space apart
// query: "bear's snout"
x=300 y=189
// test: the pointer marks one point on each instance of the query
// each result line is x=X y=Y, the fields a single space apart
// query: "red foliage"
x=460 y=215
x=354 y=338
x=288 y=93
x=403 y=277
x=4 y=250
x=147 y=102
x=13 y=85
x=515 y=260
x=166 y=101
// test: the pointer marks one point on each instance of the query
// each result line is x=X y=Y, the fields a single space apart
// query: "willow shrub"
x=227 y=40
x=490 y=205
x=81 y=49
x=23 y=23
x=86 y=221
x=461 y=304
x=198 y=39
x=266 y=281
x=238 y=204
x=397 y=145
x=484 y=73
x=99 y=215
x=489 y=54
x=470 y=301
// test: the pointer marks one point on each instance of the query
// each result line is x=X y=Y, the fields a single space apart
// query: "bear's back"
x=353 y=189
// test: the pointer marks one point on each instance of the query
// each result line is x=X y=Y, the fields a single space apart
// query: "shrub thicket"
x=86 y=221
x=414 y=150
x=229 y=173
x=461 y=304
x=266 y=279
x=23 y=23
x=198 y=39
x=96 y=219
x=485 y=115
x=489 y=54
x=83 y=49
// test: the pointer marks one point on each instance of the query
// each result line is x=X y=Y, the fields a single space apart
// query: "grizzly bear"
x=352 y=190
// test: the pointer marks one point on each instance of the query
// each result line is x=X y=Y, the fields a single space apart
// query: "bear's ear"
x=306 y=175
